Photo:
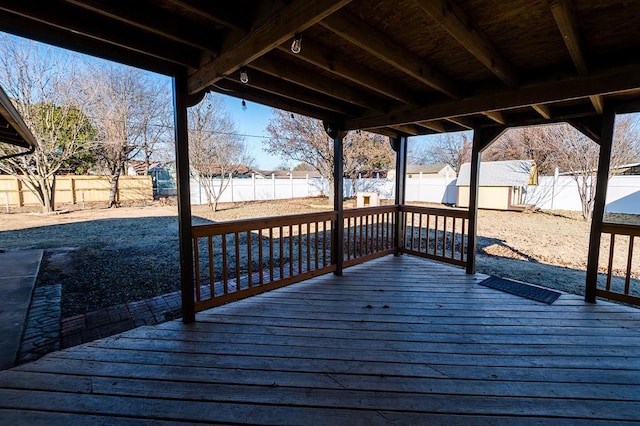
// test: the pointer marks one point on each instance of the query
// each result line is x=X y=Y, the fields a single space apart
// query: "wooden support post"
x=482 y=138
x=184 y=198
x=606 y=141
x=337 y=242
x=399 y=145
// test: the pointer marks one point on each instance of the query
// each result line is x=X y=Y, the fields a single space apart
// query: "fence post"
x=273 y=180
x=73 y=190
x=253 y=179
x=290 y=184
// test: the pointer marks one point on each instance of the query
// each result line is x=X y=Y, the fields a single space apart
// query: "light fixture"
x=296 y=45
x=244 y=105
x=244 y=76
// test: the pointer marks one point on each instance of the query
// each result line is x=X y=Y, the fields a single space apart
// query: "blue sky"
x=252 y=121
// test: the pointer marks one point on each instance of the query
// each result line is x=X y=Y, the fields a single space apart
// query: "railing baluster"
x=250 y=266
x=308 y=247
x=324 y=244
x=453 y=238
x=225 y=266
x=196 y=263
x=271 y=254
x=281 y=254
x=462 y=240
x=612 y=243
x=260 y=258
x=237 y=243
x=420 y=232
x=627 y=280
x=291 y=255
x=300 y=248
x=316 y=242
x=212 y=279
x=366 y=234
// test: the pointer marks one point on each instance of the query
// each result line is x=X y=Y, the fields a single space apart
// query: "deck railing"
x=233 y=260
x=369 y=232
x=435 y=233
x=236 y=259
x=622 y=284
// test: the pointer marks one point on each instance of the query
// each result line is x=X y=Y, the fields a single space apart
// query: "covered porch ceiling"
x=401 y=67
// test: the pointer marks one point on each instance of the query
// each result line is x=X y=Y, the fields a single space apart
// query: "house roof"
x=13 y=130
x=498 y=173
x=395 y=67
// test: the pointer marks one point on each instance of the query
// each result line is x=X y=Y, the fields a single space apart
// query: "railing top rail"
x=260 y=223
x=621 y=229
x=364 y=211
x=450 y=212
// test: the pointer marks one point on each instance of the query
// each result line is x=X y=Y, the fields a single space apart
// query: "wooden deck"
x=394 y=341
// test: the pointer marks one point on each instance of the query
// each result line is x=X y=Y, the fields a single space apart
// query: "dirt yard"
x=104 y=257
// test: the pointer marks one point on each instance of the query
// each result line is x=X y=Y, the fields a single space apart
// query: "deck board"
x=394 y=341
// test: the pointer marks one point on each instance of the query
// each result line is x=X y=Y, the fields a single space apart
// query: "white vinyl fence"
x=551 y=193
x=561 y=193
x=435 y=190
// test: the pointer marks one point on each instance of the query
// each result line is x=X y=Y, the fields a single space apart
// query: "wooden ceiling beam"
x=320 y=56
x=625 y=78
x=543 y=110
x=567 y=23
x=231 y=87
x=100 y=28
x=409 y=129
x=378 y=44
x=159 y=22
x=456 y=22
x=436 y=126
x=24 y=27
x=294 y=18
x=282 y=69
x=222 y=13
x=269 y=84
x=496 y=116
x=465 y=122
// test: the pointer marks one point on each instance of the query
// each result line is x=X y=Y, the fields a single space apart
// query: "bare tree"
x=527 y=143
x=303 y=140
x=43 y=84
x=579 y=156
x=216 y=151
x=453 y=149
x=125 y=105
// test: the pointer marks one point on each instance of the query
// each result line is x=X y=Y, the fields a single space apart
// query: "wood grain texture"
x=397 y=340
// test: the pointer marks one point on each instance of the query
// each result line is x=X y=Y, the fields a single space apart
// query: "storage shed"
x=502 y=184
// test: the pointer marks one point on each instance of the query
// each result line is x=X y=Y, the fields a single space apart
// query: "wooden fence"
x=77 y=190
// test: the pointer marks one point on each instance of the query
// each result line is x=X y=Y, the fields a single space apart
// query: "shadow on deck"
x=398 y=340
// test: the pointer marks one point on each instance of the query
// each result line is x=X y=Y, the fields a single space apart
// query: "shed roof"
x=498 y=173
x=391 y=66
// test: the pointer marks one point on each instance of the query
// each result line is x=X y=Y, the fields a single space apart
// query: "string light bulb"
x=244 y=76
x=296 y=45
x=244 y=105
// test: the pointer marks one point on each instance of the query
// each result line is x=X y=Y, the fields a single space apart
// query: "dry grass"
x=104 y=257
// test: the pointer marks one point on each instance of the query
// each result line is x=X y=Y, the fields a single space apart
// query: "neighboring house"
x=440 y=170
x=501 y=186
x=626 y=170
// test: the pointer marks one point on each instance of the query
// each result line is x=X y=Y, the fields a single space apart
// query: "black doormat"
x=521 y=289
